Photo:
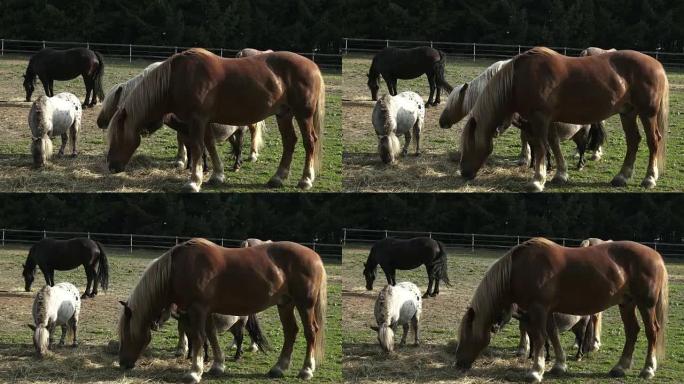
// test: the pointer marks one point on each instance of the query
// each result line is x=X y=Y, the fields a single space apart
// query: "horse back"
x=406 y=63
x=405 y=254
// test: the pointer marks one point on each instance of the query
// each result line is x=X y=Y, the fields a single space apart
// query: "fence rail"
x=482 y=51
x=144 y=52
x=475 y=241
x=330 y=252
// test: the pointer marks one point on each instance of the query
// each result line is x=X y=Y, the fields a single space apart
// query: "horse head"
x=29 y=275
x=369 y=274
x=373 y=85
x=131 y=341
x=29 y=86
x=124 y=139
x=453 y=112
x=474 y=150
x=471 y=340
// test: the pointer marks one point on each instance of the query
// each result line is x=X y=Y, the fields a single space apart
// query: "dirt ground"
x=436 y=169
x=433 y=361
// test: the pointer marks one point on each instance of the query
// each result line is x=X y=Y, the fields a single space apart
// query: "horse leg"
x=62 y=340
x=51 y=336
x=46 y=86
x=238 y=338
x=651 y=327
x=539 y=138
x=405 y=329
x=655 y=142
x=561 y=176
x=416 y=332
x=560 y=365
x=632 y=137
x=182 y=346
x=51 y=274
x=407 y=142
x=218 y=363
x=290 y=329
x=93 y=291
x=311 y=327
x=89 y=92
x=525 y=155
x=524 y=343
x=287 y=133
x=236 y=141
x=181 y=154
x=196 y=145
x=254 y=143
x=89 y=277
x=431 y=279
x=74 y=327
x=197 y=317
x=433 y=86
x=65 y=139
x=309 y=137
x=629 y=320
x=416 y=132
x=73 y=132
x=537 y=330
x=217 y=175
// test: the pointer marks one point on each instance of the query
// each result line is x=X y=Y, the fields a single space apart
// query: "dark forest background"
x=320 y=24
x=303 y=217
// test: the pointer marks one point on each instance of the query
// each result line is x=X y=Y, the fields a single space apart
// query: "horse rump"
x=99 y=89
x=103 y=268
x=439 y=73
x=441 y=266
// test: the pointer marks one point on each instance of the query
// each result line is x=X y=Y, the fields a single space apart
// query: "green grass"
x=92 y=362
x=436 y=171
x=151 y=168
x=433 y=360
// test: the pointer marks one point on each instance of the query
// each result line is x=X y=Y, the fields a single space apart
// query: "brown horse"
x=542 y=277
x=544 y=86
x=202 y=278
x=199 y=87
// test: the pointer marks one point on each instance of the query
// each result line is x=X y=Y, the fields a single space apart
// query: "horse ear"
x=33 y=327
x=117 y=95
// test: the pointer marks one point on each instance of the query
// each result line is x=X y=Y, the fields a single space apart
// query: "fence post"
x=222 y=241
x=131 y=244
x=431 y=45
x=430 y=235
x=88 y=44
x=130 y=53
x=565 y=51
x=655 y=246
x=472 y=243
x=387 y=43
x=314 y=245
x=385 y=233
x=221 y=51
x=43 y=43
x=474 y=52
x=518 y=240
x=2 y=50
x=346 y=46
x=175 y=50
x=3 y=237
x=564 y=241
x=176 y=240
x=519 y=49
x=344 y=230
x=44 y=234
x=88 y=235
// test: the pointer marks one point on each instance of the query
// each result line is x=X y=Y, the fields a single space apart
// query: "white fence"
x=330 y=252
x=144 y=52
x=482 y=51
x=475 y=241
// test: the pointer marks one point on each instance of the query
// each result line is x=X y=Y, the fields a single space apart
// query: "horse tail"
x=256 y=334
x=441 y=265
x=663 y=116
x=598 y=325
x=99 y=89
x=103 y=268
x=661 y=315
x=597 y=136
x=319 y=312
x=439 y=73
x=319 y=125
x=258 y=135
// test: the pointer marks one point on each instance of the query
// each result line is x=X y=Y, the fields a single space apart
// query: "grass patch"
x=435 y=169
x=91 y=362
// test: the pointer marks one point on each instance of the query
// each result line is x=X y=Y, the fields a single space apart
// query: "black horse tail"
x=99 y=88
x=439 y=73
x=256 y=334
x=103 y=268
x=441 y=267
x=597 y=136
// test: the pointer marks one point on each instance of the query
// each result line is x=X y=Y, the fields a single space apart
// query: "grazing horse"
x=50 y=65
x=199 y=87
x=392 y=254
x=54 y=116
x=397 y=63
x=63 y=255
x=53 y=306
x=544 y=86
x=542 y=277
x=201 y=278
x=396 y=305
x=398 y=115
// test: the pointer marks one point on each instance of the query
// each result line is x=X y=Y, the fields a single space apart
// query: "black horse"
x=396 y=63
x=50 y=65
x=63 y=255
x=393 y=254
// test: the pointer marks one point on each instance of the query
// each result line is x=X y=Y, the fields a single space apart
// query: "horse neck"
x=30 y=260
x=373 y=72
x=151 y=295
x=492 y=295
x=371 y=262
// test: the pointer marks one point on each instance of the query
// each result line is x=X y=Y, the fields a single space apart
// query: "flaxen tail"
x=663 y=117
x=319 y=312
x=319 y=126
x=661 y=310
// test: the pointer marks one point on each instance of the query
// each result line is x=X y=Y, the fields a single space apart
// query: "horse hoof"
x=434 y=294
x=647 y=373
x=619 y=181
x=535 y=186
x=217 y=179
x=74 y=345
x=560 y=178
x=617 y=372
x=253 y=157
x=275 y=182
x=276 y=373
x=180 y=165
x=426 y=295
x=436 y=103
x=305 y=184
x=191 y=187
x=179 y=353
x=192 y=378
x=521 y=353
x=533 y=377
x=649 y=182
x=559 y=369
x=217 y=369
x=305 y=374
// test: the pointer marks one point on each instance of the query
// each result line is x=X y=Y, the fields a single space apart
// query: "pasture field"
x=433 y=361
x=92 y=362
x=437 y=168
x=151 y=168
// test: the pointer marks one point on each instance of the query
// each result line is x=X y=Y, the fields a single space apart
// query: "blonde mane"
x=110 y=104
x=150 y=296
x=40 y=304
x=475 y=88
x=385 y=109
